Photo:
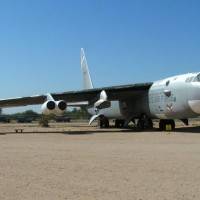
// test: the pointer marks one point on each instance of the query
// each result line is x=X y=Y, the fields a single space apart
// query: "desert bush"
x=44 y=122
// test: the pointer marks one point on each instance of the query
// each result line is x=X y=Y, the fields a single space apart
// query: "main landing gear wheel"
x=144 y=123
x=103 y=123
x=119 y=123
x=140 y=124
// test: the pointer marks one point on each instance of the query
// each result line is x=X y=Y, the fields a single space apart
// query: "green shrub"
x=44 y=122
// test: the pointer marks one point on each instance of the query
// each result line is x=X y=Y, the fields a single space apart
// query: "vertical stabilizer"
x=87 y=82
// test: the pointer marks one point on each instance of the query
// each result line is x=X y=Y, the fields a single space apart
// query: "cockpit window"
x=195 y=79
x=191 y=79
x=187 y=80
x=198 y=77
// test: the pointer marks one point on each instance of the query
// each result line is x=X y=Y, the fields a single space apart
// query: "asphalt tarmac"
x=77 y=161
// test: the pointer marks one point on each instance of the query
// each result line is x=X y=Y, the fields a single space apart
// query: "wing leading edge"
x=114 y=93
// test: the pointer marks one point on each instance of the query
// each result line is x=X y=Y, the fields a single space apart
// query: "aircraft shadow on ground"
x=106 y=130
x=75 y=132
x=50 y=132
x=188 y=129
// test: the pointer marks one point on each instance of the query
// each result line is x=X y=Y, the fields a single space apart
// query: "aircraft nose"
x=195 y=105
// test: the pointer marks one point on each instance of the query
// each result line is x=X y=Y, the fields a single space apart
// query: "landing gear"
x=119 y=123
x=140 y=124
x=164 y=122
x=144 y=123
x=103 y=122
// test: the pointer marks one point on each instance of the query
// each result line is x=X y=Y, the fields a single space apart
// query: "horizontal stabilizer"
x=78 y=104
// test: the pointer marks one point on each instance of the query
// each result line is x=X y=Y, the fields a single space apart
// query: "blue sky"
x=125 y=42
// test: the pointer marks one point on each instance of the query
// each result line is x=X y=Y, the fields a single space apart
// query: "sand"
x=76 y=161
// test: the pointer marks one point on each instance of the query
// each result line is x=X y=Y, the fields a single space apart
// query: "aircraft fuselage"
x=176 y=97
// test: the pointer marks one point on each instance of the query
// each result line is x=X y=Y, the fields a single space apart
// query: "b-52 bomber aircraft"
x=176 y=97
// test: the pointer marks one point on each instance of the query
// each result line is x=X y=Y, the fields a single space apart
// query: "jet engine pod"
x=60 y=107
x=53 y=107
x=48 y=107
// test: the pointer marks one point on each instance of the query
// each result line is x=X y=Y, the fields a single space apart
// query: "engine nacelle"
x=103 y=101
x=48 y=107
x=60 y=107
x=54 y=107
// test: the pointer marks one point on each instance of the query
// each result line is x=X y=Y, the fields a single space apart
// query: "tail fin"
x=87 y=82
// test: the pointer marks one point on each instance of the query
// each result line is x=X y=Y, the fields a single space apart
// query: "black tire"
x=119 y=123
x=140 y=125
x=103 y=123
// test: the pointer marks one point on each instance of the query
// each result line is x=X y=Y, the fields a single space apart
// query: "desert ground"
x=76 y=161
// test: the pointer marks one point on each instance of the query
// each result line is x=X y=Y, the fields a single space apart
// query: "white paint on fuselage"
x=183 y=101
x=195 y=105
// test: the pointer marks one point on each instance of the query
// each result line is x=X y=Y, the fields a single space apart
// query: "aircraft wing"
x=114 y=93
